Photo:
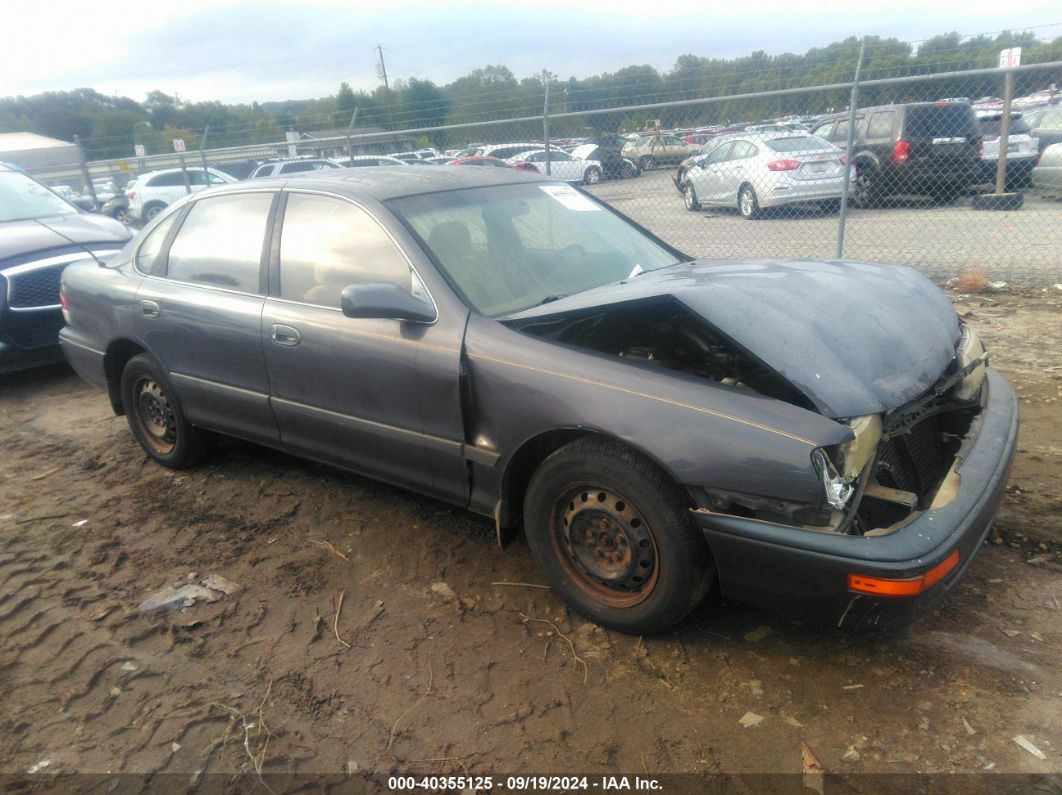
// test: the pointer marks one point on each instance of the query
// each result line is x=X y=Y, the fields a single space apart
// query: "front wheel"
x=613 y=537
x=647 y=163
x=124 y=216
x=592 y=175
x=748 y=204
x=690 y=196
x=156 y=418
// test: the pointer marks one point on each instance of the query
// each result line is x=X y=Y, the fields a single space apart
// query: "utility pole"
x=545 y=119
x=381 y=71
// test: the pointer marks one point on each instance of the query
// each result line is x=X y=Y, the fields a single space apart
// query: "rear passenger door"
x=200 y=310
x=355 y=391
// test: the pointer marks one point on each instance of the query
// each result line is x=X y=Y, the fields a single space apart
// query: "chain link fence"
x=927 y=170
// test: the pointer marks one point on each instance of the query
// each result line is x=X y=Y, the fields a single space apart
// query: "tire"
x=628 y=170
x=124 y=216
x=680 y=180
x=748 y=204
x=830 y=206
x=592 y=175
x=152 y=210
x=867 y=188
x=690 y=196
x=644 y=566
x=647 y=163
x=156 y=418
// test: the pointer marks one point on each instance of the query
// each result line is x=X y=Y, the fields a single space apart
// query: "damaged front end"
x=897 y=464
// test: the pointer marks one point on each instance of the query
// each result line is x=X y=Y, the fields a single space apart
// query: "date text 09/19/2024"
x=523 y=783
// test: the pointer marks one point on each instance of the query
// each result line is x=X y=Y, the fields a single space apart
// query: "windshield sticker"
x=570 y=198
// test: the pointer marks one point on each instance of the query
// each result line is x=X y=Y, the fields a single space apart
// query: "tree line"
x=111 y=126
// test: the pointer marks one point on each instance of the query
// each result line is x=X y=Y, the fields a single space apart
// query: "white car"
x=562 y=165
x=1023 y=148
x=277 y=168
x=157 y=190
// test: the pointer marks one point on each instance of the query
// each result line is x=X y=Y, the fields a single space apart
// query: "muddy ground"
x=489 y=678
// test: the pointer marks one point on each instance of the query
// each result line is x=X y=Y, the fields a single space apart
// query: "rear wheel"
x=592 y=175
x=152 y=210
x=614 y=539
x=748 y=204
x=867 y=187
x=690 y=196
x=156 y=418
x=628 y=170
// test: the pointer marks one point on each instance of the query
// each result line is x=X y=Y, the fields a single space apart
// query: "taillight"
x=843 y=160
x=783 y=165
x=65 y=304
x=901 y=150
x=130 y=195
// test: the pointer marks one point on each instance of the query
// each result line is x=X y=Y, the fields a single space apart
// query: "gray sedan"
x=820 y=436
x=1047 y=175
x=762 y=170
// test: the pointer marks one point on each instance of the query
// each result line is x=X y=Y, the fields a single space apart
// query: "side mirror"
x=385 y=300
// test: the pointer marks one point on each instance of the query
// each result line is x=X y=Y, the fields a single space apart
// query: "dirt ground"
x=341 y=653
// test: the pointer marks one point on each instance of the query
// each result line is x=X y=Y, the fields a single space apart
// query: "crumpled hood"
x=854 y=337
x=19 y=238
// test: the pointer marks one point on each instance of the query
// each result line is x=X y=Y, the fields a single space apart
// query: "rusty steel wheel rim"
x=605 y=545
x=154 y=415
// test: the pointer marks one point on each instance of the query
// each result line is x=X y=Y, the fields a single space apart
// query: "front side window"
x=170 y=180
x=511 y=247
x=823 y=131
x=220 y=242
x=327 y=244
x=880 y=124
x=719 y=154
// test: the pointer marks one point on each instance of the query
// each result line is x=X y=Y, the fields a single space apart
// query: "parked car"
x=276 y=168
x=238 y=169
x=765 y=170
x=504 y=151
x=117 y=207
x=931 y=148
x=683 y=168
x=1047 y=175
x=80 y=200
x=1022 y=148
x=651 y=151
x=561 y=165
x=491 y=162
x=40 y=234
x=613 y=165
x=365 y=161
x=157 y=190
x=823 y=436
x=1045 y=124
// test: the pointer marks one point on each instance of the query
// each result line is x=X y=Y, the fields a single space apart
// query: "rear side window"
x=823 y=131
x=802 y=143
x=148 y=259
x=167 y=180
x=1051 y=120
x=296 y=168
x=327 y=244
x=742 y=150
x=220 y=242
x=940 y=121
x=880 y=125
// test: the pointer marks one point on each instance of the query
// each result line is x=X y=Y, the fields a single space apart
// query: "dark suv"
x=929 y=148
x=40 y=234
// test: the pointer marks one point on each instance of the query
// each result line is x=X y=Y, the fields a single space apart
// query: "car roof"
x=387 y=182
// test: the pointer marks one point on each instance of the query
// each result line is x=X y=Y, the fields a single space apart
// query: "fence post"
x=350 y=130
x=853 y=102
x=545 y=120
x=202 y=154
x=1004 y=133
x=85 y=173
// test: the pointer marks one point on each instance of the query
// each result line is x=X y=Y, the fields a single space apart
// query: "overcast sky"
x=243 y=51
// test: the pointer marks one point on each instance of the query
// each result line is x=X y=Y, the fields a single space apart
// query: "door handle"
x=285 y=335
x=149 y=309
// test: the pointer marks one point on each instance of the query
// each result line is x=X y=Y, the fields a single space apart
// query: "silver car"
x=761 y=170
x=1047 y=176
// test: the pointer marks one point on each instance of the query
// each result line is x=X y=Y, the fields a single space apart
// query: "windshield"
x=22 y=198
x=511 y=247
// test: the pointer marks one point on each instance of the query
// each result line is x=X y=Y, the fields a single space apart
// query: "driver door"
x=707 y=178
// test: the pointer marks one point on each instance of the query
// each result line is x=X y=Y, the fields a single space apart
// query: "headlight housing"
x=972 y=356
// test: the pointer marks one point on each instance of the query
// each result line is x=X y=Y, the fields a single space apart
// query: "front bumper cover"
x=779 y=566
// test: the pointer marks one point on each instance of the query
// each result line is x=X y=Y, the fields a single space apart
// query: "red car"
x=483 y=160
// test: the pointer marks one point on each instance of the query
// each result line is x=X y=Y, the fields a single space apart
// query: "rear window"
x=1018 y=126
x=945 y=121
x=802 y=143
